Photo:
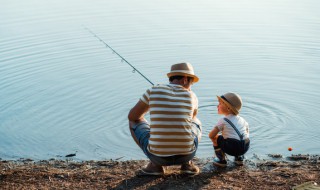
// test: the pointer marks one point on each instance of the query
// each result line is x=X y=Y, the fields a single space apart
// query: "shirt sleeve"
x=146 y=97
x=220 y=124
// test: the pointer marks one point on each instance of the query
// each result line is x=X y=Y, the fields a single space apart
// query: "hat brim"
x=235 y=111
x=195 y=78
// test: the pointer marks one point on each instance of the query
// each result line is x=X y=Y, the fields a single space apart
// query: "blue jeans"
x=142 y=133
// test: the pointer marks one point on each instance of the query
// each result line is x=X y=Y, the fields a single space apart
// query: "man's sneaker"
x=220 y=163
x=152 y=169
x=238 y=160
x=189 y=168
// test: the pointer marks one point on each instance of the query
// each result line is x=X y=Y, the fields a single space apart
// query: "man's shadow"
x=173 y=180
x=137 y=182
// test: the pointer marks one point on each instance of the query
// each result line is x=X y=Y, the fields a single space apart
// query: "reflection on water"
x=62 y=91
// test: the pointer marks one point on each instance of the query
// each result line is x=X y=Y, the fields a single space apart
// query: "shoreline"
x=275 y=173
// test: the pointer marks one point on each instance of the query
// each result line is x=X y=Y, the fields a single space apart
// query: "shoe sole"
x=189 y=172
x=220 y=165
x=145 y=173
x=238 y=163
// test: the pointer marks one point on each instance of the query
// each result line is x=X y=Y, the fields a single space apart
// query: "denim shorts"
x=142 y=133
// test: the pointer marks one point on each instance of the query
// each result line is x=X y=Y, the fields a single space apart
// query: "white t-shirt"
x=227 y=130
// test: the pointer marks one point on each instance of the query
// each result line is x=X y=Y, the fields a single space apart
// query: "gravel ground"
x=273 y=173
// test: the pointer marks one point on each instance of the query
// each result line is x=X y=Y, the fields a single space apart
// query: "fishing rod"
x=122 y=58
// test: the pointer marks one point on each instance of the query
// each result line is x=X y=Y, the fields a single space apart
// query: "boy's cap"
x=232 y=100
x=183 y=69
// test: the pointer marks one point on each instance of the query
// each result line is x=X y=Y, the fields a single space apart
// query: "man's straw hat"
x=183 y=69
x=232 y=100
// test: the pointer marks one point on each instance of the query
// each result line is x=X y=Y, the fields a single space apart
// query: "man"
x=174 y=132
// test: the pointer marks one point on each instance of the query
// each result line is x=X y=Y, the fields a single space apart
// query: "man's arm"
x=194 y=117
x=135 y=116
x=137 y=113
x=195 y=112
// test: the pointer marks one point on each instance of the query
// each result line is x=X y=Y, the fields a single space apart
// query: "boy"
x=234 y=137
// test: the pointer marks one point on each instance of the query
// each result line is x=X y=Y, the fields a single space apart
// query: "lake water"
x=62 y=91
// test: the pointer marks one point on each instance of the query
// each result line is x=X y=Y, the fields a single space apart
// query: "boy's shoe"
x=238 y=160
x=189 y=168
x=152 y=169
x=220 y=163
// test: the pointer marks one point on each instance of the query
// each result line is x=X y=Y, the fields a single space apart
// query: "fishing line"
x=122 y=58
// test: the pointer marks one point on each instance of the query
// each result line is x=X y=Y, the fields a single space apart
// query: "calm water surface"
x=62 y=91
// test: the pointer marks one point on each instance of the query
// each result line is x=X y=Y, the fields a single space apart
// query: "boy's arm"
x=213 y=133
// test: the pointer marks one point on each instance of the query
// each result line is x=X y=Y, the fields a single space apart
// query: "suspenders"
x=234 y=127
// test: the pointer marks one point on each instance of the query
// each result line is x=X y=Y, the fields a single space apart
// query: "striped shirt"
x=171 y=110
